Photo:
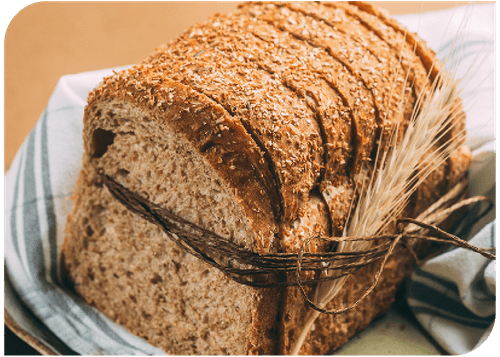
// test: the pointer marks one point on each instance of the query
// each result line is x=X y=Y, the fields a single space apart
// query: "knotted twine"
x=270 y=270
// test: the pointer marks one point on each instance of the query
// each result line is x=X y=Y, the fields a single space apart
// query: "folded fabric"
x=453 y=295
x=43 y=175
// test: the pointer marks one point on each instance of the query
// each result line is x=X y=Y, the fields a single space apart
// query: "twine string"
x=275 y=270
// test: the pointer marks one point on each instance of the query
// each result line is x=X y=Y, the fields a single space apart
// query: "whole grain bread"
x=254 y=125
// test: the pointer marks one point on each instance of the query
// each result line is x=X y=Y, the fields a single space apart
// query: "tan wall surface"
x=47 y=40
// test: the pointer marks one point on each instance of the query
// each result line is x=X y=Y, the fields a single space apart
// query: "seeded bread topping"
x=281 y=125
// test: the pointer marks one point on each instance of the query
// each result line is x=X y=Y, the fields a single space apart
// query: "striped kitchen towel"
x=44 y=172
x=453 y=295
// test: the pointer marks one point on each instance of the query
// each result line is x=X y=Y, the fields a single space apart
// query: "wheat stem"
x=309 y=321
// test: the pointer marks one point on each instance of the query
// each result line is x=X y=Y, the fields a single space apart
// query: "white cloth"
x=43 y=175
x=453 y=295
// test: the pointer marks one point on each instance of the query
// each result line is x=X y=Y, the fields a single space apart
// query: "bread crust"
x=424 y=53
x=366 y=116
x=401 y=48
x=399 y=91
x=280 y=123
x=298 y=70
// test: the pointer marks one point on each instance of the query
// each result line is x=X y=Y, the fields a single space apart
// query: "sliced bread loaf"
x=255 y=126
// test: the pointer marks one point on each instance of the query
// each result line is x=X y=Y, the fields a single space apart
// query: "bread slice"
x=254 y=126
x=130 y=269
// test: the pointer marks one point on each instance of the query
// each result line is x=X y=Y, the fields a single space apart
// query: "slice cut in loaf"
x=255 y=126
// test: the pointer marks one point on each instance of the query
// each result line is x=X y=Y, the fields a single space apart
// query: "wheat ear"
x=396 y=176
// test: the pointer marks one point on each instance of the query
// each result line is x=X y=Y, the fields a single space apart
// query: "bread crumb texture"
x=255 y=125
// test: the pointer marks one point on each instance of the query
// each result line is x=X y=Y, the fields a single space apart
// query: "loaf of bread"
x=253 y=126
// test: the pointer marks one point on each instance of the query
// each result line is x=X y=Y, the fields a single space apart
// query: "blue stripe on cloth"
x=443 y=282
x=13 y=217
x=49 y=200
x=31 y=220
x=480 y=323
x=421 y=292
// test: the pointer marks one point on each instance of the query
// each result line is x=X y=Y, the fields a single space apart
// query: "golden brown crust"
x=362 y=98
x=299 y=70
x=396 y=40
x=424 y=67
x=304 y=70
x=281 y=124
x=424 y=53
x=398 y=90
x=364 y=80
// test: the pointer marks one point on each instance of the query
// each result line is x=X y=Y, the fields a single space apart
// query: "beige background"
x=47 y=40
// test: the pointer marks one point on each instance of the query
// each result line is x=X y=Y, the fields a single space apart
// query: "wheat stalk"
x=400 y=168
